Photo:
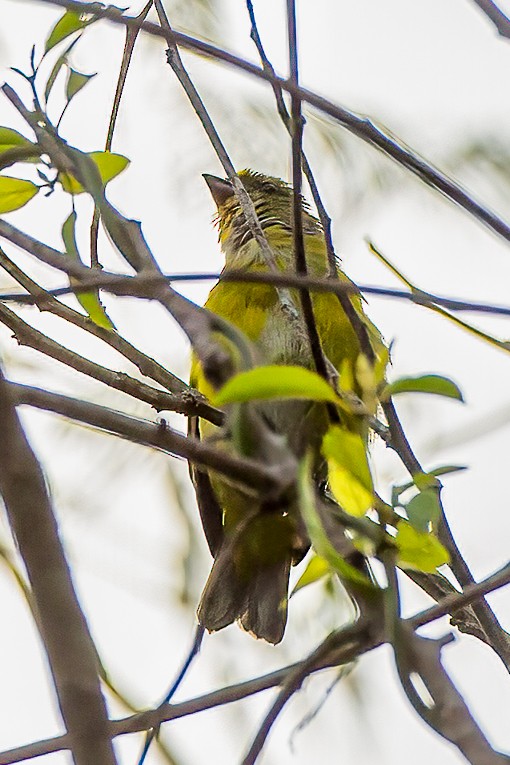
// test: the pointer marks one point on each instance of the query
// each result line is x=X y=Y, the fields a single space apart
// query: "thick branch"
x=498 y=18
x=67 y=640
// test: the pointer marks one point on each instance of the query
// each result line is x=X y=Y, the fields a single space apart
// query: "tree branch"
x=360 y=126
x=332 y=654
x=31 y=337
x=67 y=640
x=272 y=480
x=498 y=18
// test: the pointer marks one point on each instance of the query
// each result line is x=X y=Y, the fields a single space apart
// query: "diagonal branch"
x=248 y=472
x=67 y=640
x=496 y=636
x=358 y=125
x=184 y=399
x=33 y=338
x=496 y=15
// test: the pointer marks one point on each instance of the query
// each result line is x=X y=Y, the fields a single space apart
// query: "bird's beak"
x=221 y=190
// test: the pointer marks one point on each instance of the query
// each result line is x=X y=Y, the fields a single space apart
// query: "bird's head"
x=272 y=199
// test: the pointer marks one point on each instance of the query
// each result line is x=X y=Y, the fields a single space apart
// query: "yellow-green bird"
x=253 y=542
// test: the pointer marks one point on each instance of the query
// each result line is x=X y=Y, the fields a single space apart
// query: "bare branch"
x=136 y=286
x=360 y=126
x=31 y=337
x=496 y=636
x=65 y=632
x=332 y=654
x=498 y=18
x=247 y=472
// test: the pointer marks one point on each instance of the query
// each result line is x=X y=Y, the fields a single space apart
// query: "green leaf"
x=436 y=384
x=11 y=139
x=88 y=300
x=68 y=24
x=76 y=81
x=109 y=165
x=423 y=510
x=396 y=491
x=316 y=569
x=58 y=65
x=419 y=550
x=348 y=471
x=15 y=193
x=275 y=382
x=317 y=534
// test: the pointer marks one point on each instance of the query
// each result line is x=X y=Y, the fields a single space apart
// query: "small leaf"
x=381 y=362
x=15 y=193
x=436 y=384
x=58 y=65
x=419 y=550
x=88 y=300
x=68 y=24
x=76 y=81
x=423 y=510
x=275 y=382
x=109 y=165
x=419 y=481
x=318 y=536
x=445 y=469
x=69 y=237
x=316 y=569
x=348 y=471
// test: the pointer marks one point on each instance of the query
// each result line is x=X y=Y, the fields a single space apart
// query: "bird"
x=254 y=542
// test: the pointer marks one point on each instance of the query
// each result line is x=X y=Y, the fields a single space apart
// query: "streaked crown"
x=272 y=199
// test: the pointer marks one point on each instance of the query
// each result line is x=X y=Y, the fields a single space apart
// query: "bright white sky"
x=435 y=74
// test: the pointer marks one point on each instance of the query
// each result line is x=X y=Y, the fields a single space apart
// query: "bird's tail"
x=250 y=584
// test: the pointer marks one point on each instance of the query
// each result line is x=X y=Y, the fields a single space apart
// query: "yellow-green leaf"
x=10 y=139
x=348 y=471
x=15 y=192
x=423 y=510
x=419 y=550
x=316 y=569
x=435 y=384
x=67 y=24
x=109 y=165
x=88 y=300
x=76 y=81
x=424 y=480
x=57 y=66
x=275 y=382
x=317 y=534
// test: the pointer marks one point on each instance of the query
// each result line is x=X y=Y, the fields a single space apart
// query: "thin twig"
x=360 y=126
x=357 y=324
x=247 y=206
x=296 y=131
x=135 y=286
x=185 y=401
x=245 y=471
x=33 y=338
x=131 y=36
